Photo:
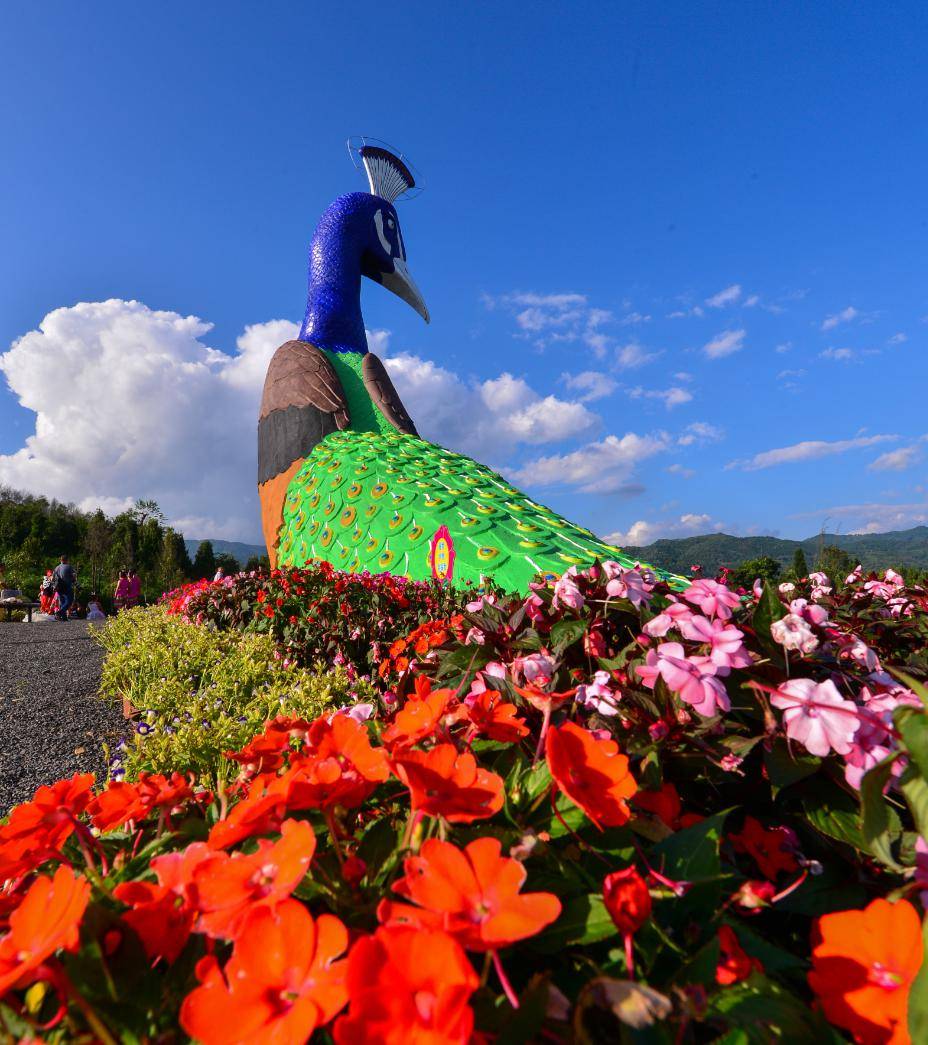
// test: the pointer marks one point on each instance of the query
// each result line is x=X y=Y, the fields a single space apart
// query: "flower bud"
x=627 y=900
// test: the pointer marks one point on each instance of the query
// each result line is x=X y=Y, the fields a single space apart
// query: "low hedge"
x=200 y=692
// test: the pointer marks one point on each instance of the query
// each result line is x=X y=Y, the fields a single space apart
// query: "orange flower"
x=259 y=813
x=545 y=702
x=443 y=783
x=863 y=964
x=117 y=805
x=281 y=983
x=473 y=895
x=227 y=887
x=46 y=920
x=591 y=773
x=496 y=719
x=340 y=767
x=407 y=985
x=734 y=964
x=420 y=715
x=158 y=916
x=766 y=846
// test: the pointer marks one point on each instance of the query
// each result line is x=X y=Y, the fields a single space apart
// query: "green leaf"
x=877 y=824
x=915 y=788
x=768 y=1012
x=785 y=768
x=836 y=815
x=566 y=632
x=913 y=725
x=692 y=854
x=768 y=609
x=583 y=920
x=918 y=995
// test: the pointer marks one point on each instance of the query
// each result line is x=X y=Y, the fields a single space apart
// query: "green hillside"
x=873 y=550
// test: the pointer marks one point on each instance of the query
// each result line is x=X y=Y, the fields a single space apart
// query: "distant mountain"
x=242 y=552
x=873 y=550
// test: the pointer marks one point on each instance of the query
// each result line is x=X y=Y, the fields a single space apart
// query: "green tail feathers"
x=389 y=502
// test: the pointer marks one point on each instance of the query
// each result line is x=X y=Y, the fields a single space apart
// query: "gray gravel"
x=52 y=724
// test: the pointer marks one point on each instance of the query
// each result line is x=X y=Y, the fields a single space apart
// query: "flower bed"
x=601 y=812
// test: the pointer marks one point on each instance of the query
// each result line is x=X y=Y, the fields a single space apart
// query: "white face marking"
x=385 y=243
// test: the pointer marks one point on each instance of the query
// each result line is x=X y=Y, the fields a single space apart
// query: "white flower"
x=792 y=632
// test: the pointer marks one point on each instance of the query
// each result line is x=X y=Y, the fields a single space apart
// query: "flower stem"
x=504 y=980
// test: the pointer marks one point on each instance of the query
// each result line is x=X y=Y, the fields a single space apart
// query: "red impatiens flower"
x=472 y=894
x=591 y=773
x=158 y=916
x=339 y=767
x=36 y=830
x=407 y=985
x=122 y=801
x=444 y=783
x=227 y=887
x=281 y=983
x=863 y=964
x=497 y=719
x=666 y=806
x=260 y=813
x=628 y=901
x=420 y=715
x=734 y=964
x=46 y=920
x=767 y=846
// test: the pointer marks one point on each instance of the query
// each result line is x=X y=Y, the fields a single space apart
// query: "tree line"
x=36 y=531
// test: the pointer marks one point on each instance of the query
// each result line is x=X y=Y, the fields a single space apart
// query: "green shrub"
x=200 y=692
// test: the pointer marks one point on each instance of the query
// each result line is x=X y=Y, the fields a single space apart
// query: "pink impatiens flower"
x=817 y=716
x=566 y=592
x=634 y=585
x=692 y=678
x=672 y=615
x=714 y=599
x=727 y=641
x=792 y=632
x=536 y=668
x=598 y=696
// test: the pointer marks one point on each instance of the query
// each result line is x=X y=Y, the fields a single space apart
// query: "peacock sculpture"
x=342 y=472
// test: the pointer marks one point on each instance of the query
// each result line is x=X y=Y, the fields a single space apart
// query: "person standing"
x=135 y=589
x=65 y=579
x=121 y=595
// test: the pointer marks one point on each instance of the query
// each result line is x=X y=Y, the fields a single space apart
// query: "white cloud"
x=633 y=319
x=898 y=339
x=873 y=518
x=897 y=460
x=752 y=301
x=131 y=402
x=728 y=296
x=592 y=383
x=700 y=433
x=784 y=346
x=642 y=532
x=785 y=375
x=603 y=467
x=671 y=397
x=552 y=318
x=725 y=344
x=678 y=469
x=633 y=355
x=841 y=355
x=844 y=316
x=807 y=451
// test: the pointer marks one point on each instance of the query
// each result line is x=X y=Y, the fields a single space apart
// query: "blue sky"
x=716 y=210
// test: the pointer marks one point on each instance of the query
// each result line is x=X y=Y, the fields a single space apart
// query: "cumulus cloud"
x=606 y=466
x=679 y=469
x=633 y=319
x=844 y=316
x=897 y=460
x=840 y=355
x=593 y=384
x=133 y=402
x=898 y=339
x=671 y=397
x=700 y=433
x=551 y=318
x=728 y=296
x=632 y=355
x=873 y=518
x=643 y=532
x=808 y=450
x=725 y=344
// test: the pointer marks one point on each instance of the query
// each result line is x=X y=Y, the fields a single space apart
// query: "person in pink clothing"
x=121 y=595
x=135 y=589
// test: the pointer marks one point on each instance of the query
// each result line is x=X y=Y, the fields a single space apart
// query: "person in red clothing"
x=135 y=589
x=121 y=595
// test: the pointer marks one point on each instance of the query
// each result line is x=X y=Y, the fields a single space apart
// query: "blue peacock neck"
x=333 y=319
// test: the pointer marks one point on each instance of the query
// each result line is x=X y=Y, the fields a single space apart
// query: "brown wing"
x=384 y=395
x=300 y=375
x=303 y=402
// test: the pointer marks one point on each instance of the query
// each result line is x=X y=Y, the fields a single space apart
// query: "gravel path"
x=52 y=724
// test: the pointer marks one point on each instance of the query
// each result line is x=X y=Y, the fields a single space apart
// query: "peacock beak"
x=404 y=286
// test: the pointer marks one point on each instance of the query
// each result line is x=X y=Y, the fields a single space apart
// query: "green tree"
x=204 y=562
x=143 y=510
x=175 y=567
x=257 y=563
x=227 y=563
x=97 y=540
x=800 y=568
x=835 y=563
x=765 y=567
